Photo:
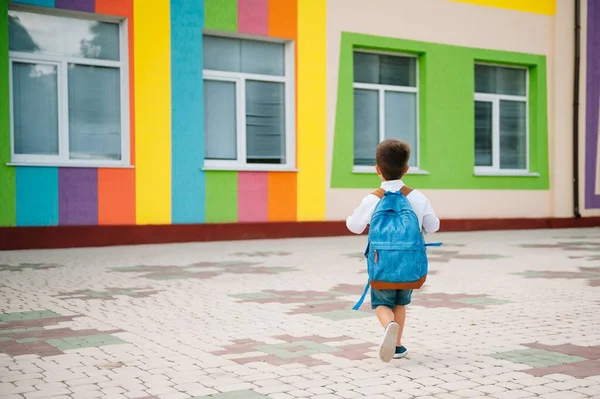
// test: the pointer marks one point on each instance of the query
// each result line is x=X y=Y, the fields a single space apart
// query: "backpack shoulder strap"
x=380 y=192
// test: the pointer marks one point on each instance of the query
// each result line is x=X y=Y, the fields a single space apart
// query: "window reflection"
x=62 y=36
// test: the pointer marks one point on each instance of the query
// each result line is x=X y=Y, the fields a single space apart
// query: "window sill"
x=71 y=165
x=248 y=168
x=369 y=170
x=506 y=173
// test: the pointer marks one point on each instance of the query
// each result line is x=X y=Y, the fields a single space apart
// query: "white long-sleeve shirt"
x=360 y=219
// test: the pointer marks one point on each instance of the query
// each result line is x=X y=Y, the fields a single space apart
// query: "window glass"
x=500 y=80
x=62 y=36
x=94 y=112
x=35 y=108
x=401 y=120
x=220 y=124
x=483 y=133
x=385 y=69
x=366 y=126
x=247 y=56
x=513 y=135
x=265 y=122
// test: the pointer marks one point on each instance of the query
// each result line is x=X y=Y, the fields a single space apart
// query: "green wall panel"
x=446 y=116
x=221 y=197
x=221 y=15
x=8 y=209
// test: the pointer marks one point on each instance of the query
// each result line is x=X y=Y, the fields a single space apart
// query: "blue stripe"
x=37 y=196
x=187 y=112
x=41 y=3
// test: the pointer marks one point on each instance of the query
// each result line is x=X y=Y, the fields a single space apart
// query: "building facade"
x=181 y=112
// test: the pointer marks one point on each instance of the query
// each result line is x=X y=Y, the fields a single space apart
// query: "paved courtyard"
x=503 y=315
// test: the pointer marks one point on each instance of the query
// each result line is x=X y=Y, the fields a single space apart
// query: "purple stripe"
x=592 y=200
x=78 y=196
x=77 y=5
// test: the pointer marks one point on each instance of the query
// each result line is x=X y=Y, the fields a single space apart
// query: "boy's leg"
x=400 y=318
x=403 y=298
x=383 y=303
x=385 y=315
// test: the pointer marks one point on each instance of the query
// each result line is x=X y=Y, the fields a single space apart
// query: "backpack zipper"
x=375 y=257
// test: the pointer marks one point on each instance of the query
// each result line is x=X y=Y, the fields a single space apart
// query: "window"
x=501 y=133
x=68 y=80
x=385 y=104
x=248 y=104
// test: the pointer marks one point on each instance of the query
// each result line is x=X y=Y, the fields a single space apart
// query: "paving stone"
x=458 y=385
x=8 y=388
x=319 y=390
x=175 y=395
x=564 y=395
x=348 y=394
x=274 y=389
x=447 y=396
x=35 y=381
x=282 y=396
x=490 y=389
x=47 y=393
x=138 y=394
x=467 y=393
x=512 y=395
x=207 y=321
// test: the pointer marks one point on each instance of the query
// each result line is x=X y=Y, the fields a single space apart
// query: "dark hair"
x=392 y=158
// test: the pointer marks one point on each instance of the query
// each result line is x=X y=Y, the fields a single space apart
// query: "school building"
x=140 y=121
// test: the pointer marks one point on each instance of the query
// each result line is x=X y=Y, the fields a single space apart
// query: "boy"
x=390 y=305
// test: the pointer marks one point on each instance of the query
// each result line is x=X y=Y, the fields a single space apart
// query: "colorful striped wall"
x=166 y=183
x=245 y=196
x=46 y=196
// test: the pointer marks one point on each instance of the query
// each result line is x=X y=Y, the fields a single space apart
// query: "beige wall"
x=446 y=22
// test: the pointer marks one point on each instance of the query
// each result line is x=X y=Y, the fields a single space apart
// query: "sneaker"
x=400 y=352
x=388 y=342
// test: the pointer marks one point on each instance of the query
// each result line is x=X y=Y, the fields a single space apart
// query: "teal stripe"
x=37 y=196
x=187 y=112
x=41 y=3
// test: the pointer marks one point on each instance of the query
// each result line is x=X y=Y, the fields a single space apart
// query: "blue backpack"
x=396 y=254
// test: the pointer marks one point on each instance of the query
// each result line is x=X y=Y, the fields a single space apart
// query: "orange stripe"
x=119 y=8
x=283 y=18
x=116 y=196
x=116 y=187
x=283 y=23
x=282 y=197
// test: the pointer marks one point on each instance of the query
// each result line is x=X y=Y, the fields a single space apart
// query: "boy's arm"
x=359 y=220
x=431 y=223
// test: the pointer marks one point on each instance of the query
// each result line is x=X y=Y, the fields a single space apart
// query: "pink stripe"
x=253 y=196
x=253 y=17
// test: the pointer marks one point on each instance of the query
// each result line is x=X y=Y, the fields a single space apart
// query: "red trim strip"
x=99 y=236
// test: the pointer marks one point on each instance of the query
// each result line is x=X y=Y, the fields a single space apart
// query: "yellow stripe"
x=547 y=7
x=152 y=55
x=311 y=115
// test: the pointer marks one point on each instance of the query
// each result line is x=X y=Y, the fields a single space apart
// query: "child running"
x=390 y=304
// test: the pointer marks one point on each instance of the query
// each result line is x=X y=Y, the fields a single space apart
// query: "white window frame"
x=240 y=78
x=62 y=62
x=381 y=90
x=495 y=99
